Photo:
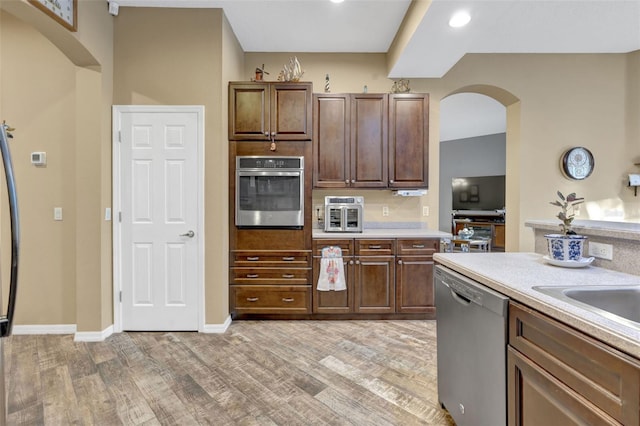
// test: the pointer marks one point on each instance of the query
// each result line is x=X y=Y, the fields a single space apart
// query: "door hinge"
x=119 y=136
x=119 y=216
x=120 y=296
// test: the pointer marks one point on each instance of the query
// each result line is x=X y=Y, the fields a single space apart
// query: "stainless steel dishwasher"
x=471 y=322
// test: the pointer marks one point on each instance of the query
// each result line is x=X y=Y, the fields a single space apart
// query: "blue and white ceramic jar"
x=565 y=247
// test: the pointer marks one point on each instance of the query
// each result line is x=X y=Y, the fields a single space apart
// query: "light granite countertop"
x=515 y=275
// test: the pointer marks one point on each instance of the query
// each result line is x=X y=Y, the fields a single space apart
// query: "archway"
x=494 y=115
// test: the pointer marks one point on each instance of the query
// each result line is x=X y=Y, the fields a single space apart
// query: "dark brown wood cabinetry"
x=414 y=275
x=408 y=140
x=266 y=111
x=560 y=376
x=371 y=140
x=375 y=276
x=385 y=278
x=270 y=282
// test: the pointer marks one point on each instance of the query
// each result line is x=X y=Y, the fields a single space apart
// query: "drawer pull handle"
x=253 y=258
x=288 y=299
x=252 y=299
x=289 y=259
x=288 y=275
x=416 y=246
x=252 y=275
x=375 y=247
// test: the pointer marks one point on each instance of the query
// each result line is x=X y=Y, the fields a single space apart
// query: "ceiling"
x=497 y=26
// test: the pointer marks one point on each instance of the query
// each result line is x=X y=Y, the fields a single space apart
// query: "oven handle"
x=274 y=173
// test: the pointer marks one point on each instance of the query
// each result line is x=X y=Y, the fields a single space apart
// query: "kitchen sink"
x=618 y=303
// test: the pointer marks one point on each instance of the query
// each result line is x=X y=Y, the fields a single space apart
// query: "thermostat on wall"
x=39 y=158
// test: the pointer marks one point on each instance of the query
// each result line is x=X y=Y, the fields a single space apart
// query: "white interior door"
x=160 y=225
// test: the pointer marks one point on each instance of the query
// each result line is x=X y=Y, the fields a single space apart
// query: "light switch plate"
x=57 y=213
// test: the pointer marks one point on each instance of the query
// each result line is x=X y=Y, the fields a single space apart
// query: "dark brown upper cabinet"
x=266 y=111
x=371 y=140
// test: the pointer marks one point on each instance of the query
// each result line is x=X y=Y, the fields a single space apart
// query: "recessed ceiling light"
x=459 y=19
x=337 y=1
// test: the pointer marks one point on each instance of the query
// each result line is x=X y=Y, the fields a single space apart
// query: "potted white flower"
x=567 y=245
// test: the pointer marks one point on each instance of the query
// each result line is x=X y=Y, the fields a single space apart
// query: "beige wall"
x=173 y=56
x=554 y=102
x=56 y=91
x=185 y=57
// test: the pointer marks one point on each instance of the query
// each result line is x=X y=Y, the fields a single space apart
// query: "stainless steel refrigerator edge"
x=472 y=336
x=6 y=321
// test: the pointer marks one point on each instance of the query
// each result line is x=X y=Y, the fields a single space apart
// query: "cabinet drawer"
x=262 y=276
x=273 y=259
x=344 y=244
x=605 y=377
x=272 y=299
x=418 y=247
x=370 y=247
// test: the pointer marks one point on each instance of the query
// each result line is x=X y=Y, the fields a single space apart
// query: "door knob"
x=189 y=234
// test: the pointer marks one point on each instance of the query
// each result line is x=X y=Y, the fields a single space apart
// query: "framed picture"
x=65 y=12
x=474 y=190
x=464 y=196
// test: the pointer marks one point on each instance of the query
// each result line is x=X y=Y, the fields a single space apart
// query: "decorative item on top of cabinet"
x=262 y=111
x=370 y=141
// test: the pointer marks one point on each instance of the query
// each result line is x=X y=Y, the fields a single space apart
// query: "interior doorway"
x=472 y=144
x=158 y=231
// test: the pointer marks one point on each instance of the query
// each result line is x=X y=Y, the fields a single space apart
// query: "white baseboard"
x=93 y=336
x=44 y=329
x=217 y=328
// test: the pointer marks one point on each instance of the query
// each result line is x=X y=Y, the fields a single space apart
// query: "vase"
x=565 y=247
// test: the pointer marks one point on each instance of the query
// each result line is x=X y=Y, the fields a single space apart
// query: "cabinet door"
x=537 y=398
x=249 y=111
x=499 y=236
x=291 y=117
x=333 y=302
x=375 y=284
x=369 y=141
x=414 y=284
x=331 y=133
x=408 y=141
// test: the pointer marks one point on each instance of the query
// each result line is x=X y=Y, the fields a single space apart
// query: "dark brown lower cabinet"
x=560 y=376
x=375 y=284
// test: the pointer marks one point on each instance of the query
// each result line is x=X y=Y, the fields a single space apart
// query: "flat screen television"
x=478 y=193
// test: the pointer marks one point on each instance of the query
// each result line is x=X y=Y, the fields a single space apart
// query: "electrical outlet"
x=425 y=210
x=385 y=210
x=602 y=251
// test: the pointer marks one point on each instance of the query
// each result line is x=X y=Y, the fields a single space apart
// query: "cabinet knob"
x=288 y=276
x=288 y=299
x=288 y=259
x=252 y=275
x=353 y=181
x=252 y=299
x=399 y=262
x=357 y=262
x=347 y=181
x=266 y=134
x=253 y=258
x=351 y=262
x=390 y=180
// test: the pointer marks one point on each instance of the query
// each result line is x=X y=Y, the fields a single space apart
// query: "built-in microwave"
x=343 y=214
x=269 y=191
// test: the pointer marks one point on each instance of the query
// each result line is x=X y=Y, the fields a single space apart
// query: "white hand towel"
x=331 y=270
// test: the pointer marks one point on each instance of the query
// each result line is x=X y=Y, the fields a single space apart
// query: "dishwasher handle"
x=459 y=298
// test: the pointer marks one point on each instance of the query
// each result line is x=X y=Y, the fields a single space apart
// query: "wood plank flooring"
x=257 y=373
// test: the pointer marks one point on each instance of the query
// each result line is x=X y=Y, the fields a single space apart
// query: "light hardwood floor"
x=257 y=373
